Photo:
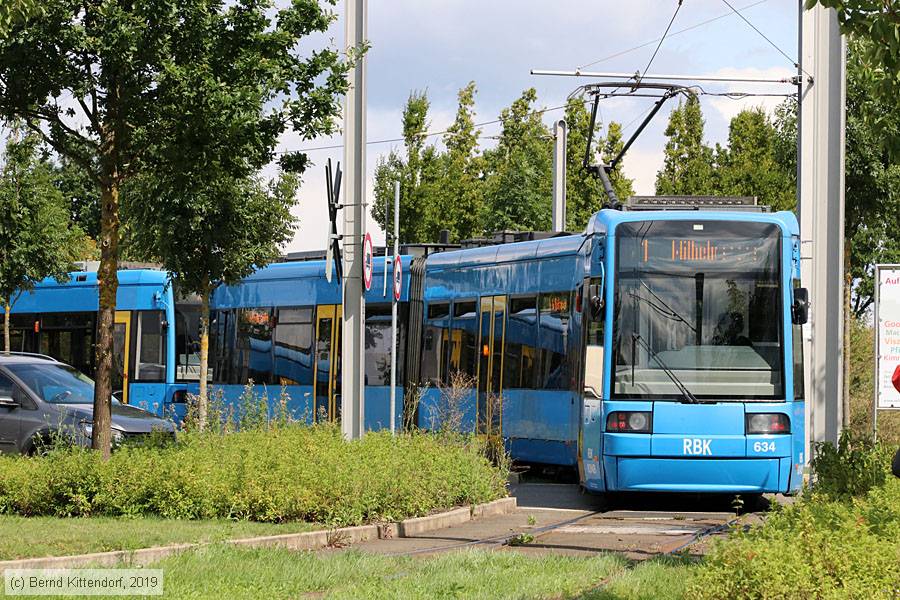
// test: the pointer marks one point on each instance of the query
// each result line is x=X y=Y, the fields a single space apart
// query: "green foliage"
x=419 y=177
x=215 y=231
x=16 y=11
x=688 y=164
x=283 y=474
x=750 y=165
x=518 y=170
x=851 y=469
x=814 y=549
x=472 y=193
x=841 y=541
x=37 y=238
x=876 y=26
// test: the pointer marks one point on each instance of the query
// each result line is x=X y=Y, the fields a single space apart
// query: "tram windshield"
x=698 y=313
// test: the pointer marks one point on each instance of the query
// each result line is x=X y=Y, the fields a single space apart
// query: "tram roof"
x=606 y=220
x=505 y=253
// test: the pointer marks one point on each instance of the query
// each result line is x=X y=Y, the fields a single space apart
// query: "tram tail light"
x=629 y=422
x=767 y=423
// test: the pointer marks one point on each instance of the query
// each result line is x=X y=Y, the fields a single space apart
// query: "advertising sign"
x=887 y=335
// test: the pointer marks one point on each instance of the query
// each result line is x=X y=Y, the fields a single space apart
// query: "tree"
x=518 y=176
x=417 y=174
x=871 y=178
x=688 y=165
x=750 y=166
x=37 y=238
x=875 y=27
x=215 y=232
x=460 y=198
x=114 y=86
x=14 y=11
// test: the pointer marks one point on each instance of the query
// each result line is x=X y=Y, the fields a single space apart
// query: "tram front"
x=702 y=386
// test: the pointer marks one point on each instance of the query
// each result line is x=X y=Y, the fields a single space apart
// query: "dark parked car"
x=42 y=400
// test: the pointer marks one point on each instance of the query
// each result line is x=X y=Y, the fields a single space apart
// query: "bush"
x=288 y=473
x=852 y=469
x=828 y=545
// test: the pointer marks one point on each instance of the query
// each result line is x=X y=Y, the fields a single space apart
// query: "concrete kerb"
x=310 y=540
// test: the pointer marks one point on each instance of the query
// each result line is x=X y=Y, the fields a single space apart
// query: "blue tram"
x=657 y=351
x=60 y=320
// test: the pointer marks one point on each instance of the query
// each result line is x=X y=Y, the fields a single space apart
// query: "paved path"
x=560 y=519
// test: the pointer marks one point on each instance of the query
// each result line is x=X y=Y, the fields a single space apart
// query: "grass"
x=28 y=537
x=220 y=572
x=659 y=578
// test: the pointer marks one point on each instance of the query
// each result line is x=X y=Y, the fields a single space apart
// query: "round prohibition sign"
x=398 y=277
x=368 y=260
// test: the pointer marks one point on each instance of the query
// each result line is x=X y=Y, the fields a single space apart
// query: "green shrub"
x=285 y=473
x=828 y=545
x=852 y=469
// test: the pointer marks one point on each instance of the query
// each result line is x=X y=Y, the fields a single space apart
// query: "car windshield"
x=55 y=382
x=697 y=311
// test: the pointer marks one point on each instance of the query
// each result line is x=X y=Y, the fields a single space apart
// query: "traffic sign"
x=368 y=260
x=398 y=277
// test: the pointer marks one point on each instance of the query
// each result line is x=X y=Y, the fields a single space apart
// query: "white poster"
x=887 y=334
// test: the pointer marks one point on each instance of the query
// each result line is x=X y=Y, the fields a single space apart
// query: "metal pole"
x=394 y=309
x=637 y=77
x=354 y=308
x=821 y=191
x=559 y=175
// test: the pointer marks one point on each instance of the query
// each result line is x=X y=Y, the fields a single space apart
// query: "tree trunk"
x=845 y=391
x=108 y=281
x=6 y=328
x=203 y=400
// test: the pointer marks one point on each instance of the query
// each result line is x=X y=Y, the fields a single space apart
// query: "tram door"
x=492 y=328
x=327 y=386
x=121 y=346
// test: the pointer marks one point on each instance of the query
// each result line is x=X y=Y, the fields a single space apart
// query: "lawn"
x=27 y=537
x=219 y=572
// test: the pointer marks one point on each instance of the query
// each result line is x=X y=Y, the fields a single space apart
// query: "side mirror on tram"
x=595 y=296
x=800 y=309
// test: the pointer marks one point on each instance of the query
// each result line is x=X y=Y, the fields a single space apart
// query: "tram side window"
x=378 y=345
x=23 y=332
x=187 y=342
x=252 y=358
x=221 y=330
x=435 y=343
x=69 y=337
x=520 y=363
x=554 y=323
x=151 y=347
x=293 y=346
x=464 y=338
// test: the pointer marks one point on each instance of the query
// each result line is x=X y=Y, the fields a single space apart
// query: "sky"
x=441 y=45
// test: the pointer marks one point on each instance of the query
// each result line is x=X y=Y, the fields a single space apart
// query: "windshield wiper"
x=686 y=393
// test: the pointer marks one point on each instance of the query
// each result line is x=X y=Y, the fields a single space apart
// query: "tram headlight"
x=629 y=422
x=767 y=423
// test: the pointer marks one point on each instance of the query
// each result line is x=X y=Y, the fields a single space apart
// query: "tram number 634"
x=764 y=446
